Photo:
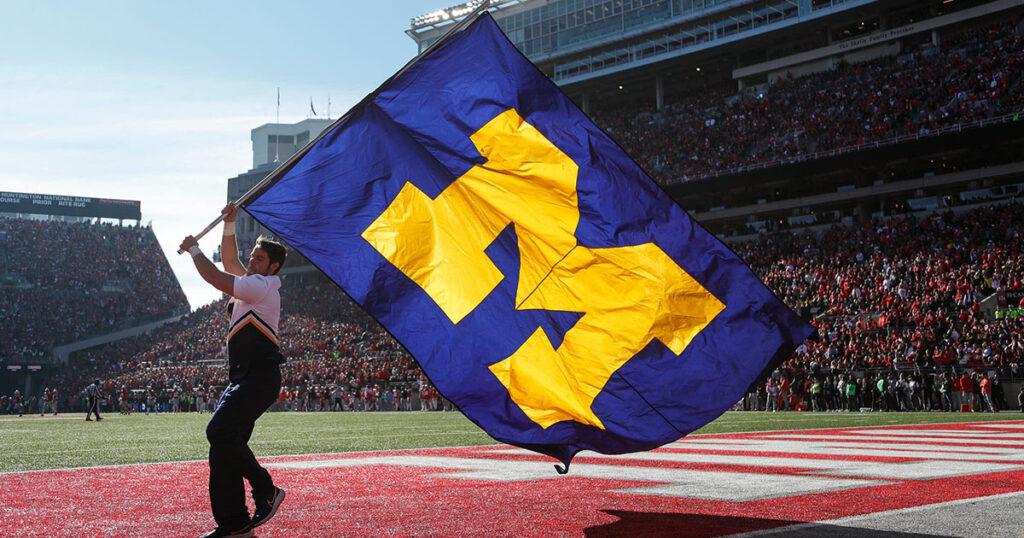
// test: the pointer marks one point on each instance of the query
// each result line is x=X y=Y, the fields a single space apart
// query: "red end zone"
x=706 y=485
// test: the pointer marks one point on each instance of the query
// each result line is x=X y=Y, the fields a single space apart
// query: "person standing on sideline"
x=44 y=402
x=985 y=386
x=998 y=396
x=92 y=395
x=175 y=399
x=200 y=399
x=945 y=390
x=150 y=399
x=966 y=392
x=785 y=388
x=19 y=403
x=773 y=396
x=254 y=378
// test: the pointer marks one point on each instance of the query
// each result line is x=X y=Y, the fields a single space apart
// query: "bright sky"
x=154 y=100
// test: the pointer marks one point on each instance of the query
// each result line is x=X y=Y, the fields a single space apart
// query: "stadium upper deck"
x=602 y=52
x=811 y=112
x=65 y=282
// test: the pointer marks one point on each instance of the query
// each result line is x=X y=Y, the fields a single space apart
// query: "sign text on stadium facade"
x=73 y=206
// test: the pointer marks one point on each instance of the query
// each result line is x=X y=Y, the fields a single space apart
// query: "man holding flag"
x=548 y=287
x=254 y=377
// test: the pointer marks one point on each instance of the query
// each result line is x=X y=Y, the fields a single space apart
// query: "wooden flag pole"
x=287 y=165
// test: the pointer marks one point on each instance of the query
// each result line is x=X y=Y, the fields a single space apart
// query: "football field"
x=437 y=474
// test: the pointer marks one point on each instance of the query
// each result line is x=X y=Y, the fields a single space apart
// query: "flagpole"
x=287 y=165
x=277 y=140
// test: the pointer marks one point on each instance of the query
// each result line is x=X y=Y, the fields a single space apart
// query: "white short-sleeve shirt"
x=256 y=302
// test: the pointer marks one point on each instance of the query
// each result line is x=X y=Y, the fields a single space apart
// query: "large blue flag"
x=545 y=284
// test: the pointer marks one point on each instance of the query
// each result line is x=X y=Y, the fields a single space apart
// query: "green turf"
x=67 y=441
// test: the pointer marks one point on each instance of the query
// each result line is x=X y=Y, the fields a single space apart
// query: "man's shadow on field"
x=647 y=524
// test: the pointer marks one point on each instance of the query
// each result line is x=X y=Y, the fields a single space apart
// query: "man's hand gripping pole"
x=208 y=228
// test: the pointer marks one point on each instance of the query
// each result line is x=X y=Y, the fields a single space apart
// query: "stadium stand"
x=904 y=297
x=66 y=281
x=974 y=77
x=900 y=298
x=330 y=344
x=907 y=259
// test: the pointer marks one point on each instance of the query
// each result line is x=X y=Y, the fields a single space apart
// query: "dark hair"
x=276 y=252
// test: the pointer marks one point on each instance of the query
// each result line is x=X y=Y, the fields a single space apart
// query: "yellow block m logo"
x=629 y=295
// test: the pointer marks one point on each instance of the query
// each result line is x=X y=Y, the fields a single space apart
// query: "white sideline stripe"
x=872 y=515
x=683 y=457
x=916 y=470
x=897 y=450
x=940 y=432
x=1014 y=426
x=707 y=485
x=908 y=438
x=980 y=452
x=930 y=451
x=842 y=448
x=922 y=470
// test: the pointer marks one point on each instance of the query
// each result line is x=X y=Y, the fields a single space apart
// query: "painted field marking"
x=708 y=485
x=830 y=467
x=1000 y=425
x=909 y=470
x=841 y=448
x=941 y=433
x=907 y=438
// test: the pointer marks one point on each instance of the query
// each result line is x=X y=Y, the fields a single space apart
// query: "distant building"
x=275 y=142
x=247 y=228
x=272 y=144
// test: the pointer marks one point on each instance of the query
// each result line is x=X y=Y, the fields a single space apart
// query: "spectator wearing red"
x=966 y=392
x=986 y=393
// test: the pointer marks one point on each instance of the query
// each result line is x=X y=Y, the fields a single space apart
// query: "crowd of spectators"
x=93 y=277
x=897 y=299
x=338 y=359
x=797 y=389
x=924 y=89
x=903 y=295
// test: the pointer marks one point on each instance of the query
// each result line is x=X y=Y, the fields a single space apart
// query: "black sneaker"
x=266 y=509
x=240 y=533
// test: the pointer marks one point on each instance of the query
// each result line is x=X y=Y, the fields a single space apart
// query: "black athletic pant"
x=228 y=431
x=94 y=407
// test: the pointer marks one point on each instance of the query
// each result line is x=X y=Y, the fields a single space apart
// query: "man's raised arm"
x=219 y=279
x=228 y=246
